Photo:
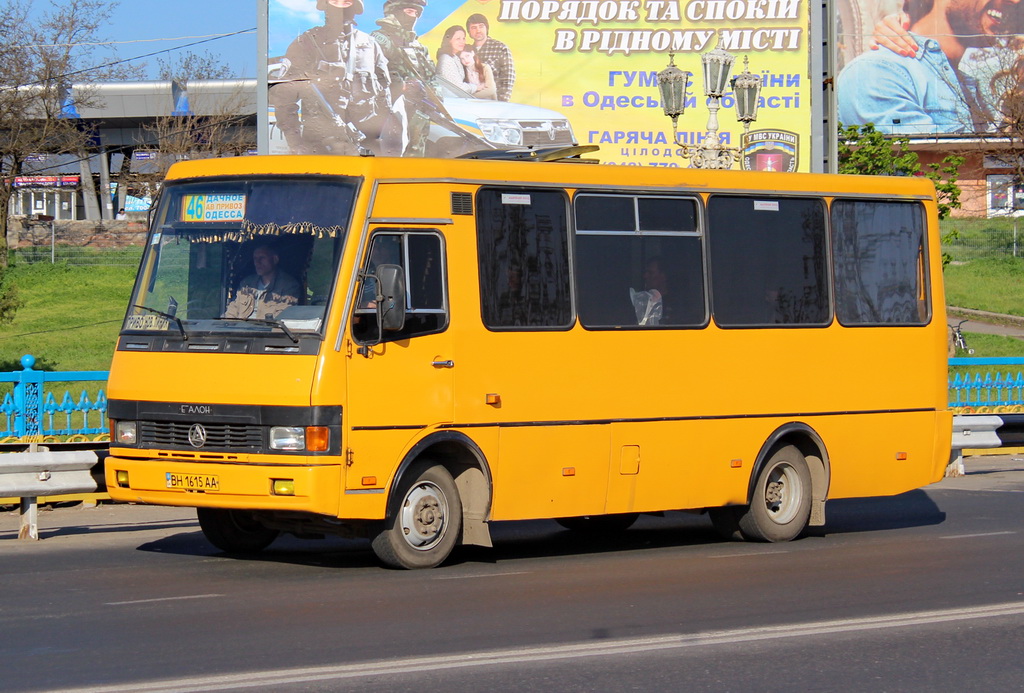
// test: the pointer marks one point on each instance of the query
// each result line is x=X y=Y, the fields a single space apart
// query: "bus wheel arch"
x=812 y=447
x=466 y=464
x=786 y=492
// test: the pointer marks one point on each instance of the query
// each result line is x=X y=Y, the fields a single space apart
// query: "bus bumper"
x=296 y=488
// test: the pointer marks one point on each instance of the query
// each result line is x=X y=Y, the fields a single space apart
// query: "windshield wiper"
x=273 y=323
x=174 y=318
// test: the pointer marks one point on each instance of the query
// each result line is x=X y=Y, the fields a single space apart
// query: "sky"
x=134 y=23
x=141 y=27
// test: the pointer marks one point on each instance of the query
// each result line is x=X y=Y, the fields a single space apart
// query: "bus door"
x=399 y=382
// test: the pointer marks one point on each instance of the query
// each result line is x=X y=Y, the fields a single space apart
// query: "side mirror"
x=391 y=299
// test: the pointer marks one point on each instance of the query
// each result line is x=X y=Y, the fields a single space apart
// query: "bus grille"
x=218 y=436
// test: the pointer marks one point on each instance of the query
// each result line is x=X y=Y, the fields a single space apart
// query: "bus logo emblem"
x=197 y=436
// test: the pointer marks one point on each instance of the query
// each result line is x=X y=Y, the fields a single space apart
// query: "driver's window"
x=421 y=256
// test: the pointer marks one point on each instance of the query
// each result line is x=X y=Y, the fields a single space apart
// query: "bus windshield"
x=259 y=255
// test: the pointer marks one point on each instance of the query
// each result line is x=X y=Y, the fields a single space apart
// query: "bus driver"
x=265 y=293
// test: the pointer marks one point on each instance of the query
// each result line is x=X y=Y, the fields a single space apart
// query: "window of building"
x=768 y=261
x=523 y=246
x=638 y=262
x=878 y=251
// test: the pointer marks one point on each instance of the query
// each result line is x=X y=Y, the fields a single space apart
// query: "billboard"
x=445 y=77
x=929 y=67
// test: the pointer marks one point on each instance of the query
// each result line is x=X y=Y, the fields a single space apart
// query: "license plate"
x=193 y=482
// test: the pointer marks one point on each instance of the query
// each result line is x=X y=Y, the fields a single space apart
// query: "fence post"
x=29 y=512
x=28 y=399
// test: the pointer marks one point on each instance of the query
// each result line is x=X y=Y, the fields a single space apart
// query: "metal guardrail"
x=33 y=410
x=981 y=432
x=29 y=475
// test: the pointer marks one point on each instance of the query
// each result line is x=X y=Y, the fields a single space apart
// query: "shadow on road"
x=911 y=509
x=544 y=538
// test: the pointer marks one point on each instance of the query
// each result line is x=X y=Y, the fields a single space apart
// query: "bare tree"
x=47 y=61
x=215 y=123
x=1005 y=144
x=191 y=65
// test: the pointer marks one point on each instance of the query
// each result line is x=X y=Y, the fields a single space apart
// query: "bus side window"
x=421 y=255
x=879 y=258
x=639 y=262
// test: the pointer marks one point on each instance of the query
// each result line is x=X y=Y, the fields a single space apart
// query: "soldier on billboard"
x=412 y=71
x=336 y=96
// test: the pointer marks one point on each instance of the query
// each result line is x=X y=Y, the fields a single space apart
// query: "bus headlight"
x=287 y=438
x=501 y=131
x=126 y=432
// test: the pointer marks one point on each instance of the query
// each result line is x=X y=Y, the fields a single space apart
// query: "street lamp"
x=673 y=82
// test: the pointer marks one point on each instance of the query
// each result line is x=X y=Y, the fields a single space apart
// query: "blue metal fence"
x=33 y=410
x=988 y=390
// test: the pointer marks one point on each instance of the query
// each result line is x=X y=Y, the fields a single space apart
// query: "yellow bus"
x=409 y=350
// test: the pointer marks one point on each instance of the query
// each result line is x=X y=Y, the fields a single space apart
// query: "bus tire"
x=424 y=525
x=599 y=523
x=780 y=506
x=234 y=531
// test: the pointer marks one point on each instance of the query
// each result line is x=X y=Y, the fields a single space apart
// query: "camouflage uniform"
x=413 y=74
x=340 y=77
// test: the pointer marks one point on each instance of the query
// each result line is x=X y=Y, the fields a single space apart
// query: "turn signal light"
x=122 y=478
x=318 y=438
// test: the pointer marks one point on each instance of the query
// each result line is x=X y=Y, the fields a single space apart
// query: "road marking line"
x=479 y=575
x=603 y=648
x=746 y=554
x=979 y=534
x=164 y=599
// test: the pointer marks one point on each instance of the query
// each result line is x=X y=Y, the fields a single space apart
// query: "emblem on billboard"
x=770 y=150
x=197 y=436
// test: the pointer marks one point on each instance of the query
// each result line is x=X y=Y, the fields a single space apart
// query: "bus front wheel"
x=234 y=531
x=780 y=506
x=424 y=527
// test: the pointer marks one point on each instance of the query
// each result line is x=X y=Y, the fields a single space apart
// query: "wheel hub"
x=423 y=516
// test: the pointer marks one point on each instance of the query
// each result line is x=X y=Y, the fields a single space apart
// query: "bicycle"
x=958 y=339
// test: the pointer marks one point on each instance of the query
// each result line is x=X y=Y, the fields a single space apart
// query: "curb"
x=986 y=316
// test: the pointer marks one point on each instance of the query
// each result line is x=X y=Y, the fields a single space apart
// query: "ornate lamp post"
x=673 y=82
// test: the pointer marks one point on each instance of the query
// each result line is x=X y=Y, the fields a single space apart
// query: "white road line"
x=480 y=575
x=979 y=534
x=165 y=599
x=528 y=655
x=745 y=554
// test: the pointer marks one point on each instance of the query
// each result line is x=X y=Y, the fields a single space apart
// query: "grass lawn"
x=994 y=284
x=69 y=317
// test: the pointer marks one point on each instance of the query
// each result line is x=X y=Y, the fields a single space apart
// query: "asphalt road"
x=920 y=592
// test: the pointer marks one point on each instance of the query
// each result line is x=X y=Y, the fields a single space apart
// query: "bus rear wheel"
x=424 y=526
x=234 y=531
x=780 y=506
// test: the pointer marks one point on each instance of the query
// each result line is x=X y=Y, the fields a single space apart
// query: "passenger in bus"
x=266 y=292
x=653 y=305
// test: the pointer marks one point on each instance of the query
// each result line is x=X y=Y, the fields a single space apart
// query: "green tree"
x=864 y=150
